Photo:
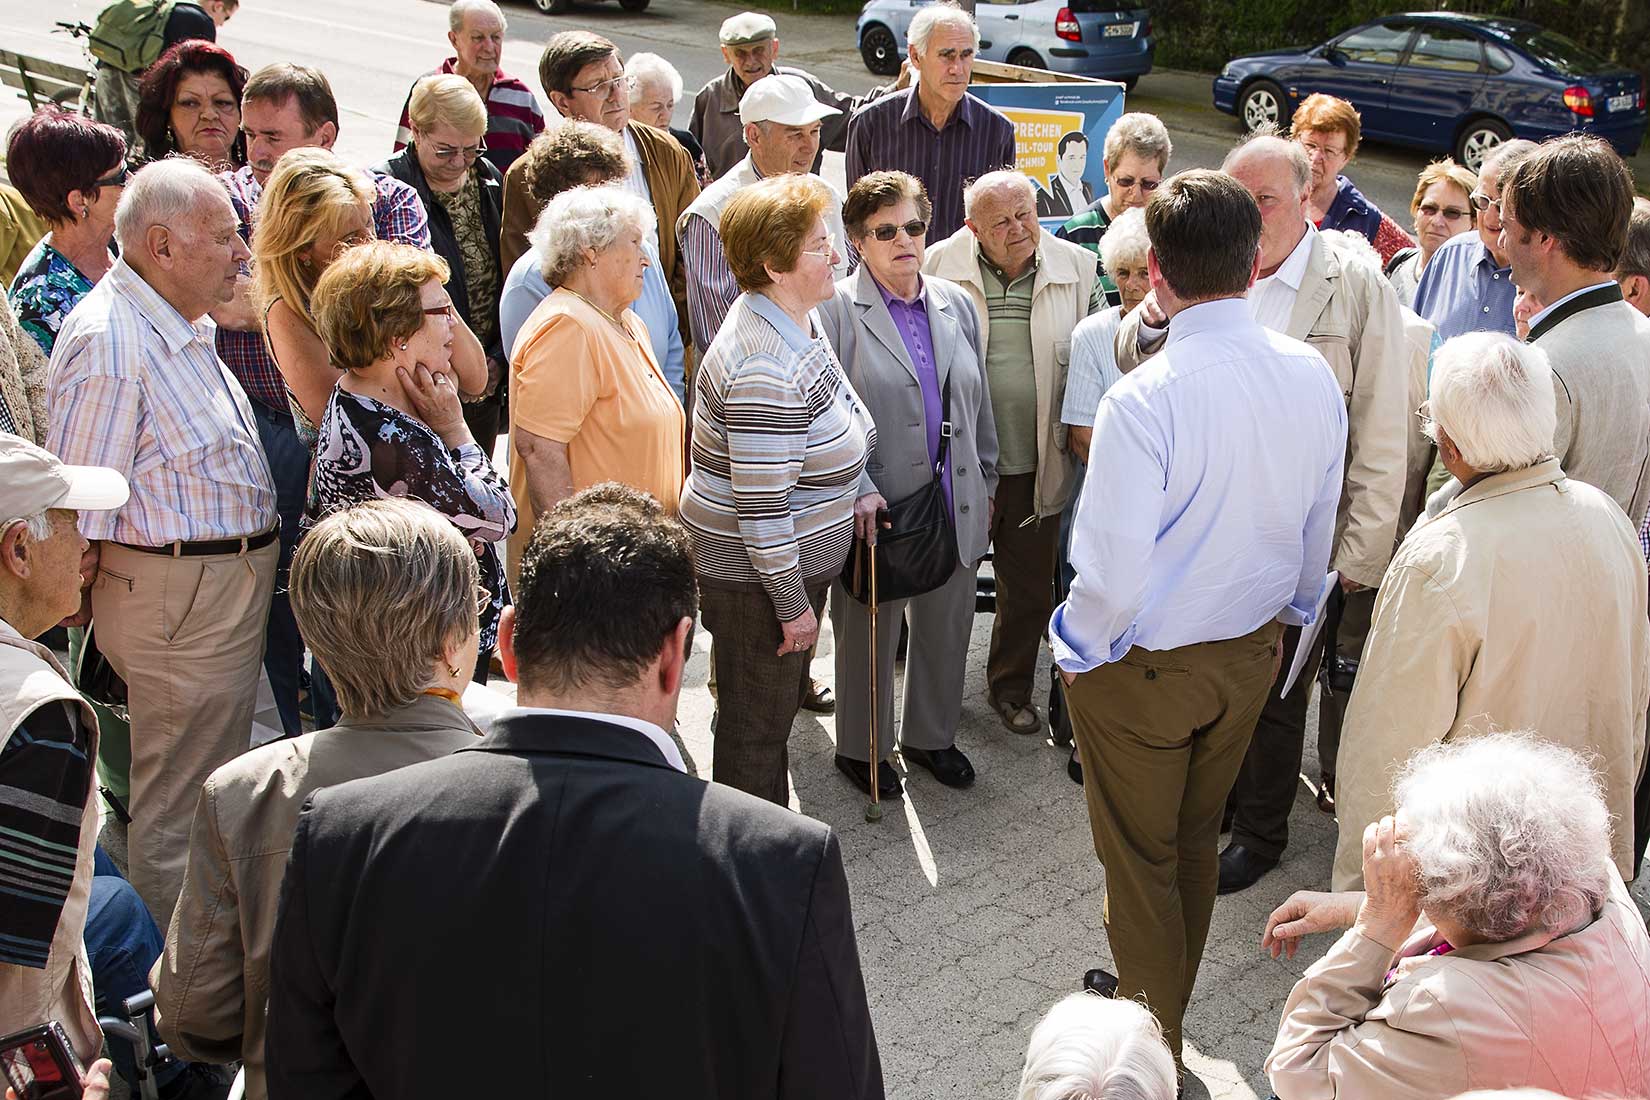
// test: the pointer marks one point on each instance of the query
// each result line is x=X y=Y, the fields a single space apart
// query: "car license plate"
x=1620 y=102
x=1122 y=30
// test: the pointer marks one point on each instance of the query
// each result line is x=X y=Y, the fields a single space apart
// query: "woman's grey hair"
x=644 y=67
x=1266 y=141
x=162 y=192
x=1126 y=241
x=942 y=13
x=1143 y=135
x=461 y=8
x=1001 y=179
x=1508 y=832
x=585 y=218
x=1096 y=1048
x=382 y=591
x=1493 y=396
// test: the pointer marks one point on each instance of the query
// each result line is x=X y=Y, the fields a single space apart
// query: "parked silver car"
x=1102 y=38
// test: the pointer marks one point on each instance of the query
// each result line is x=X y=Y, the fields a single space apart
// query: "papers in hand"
x=1309 y=634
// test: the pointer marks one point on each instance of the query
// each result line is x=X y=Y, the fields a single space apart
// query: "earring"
x=171 y=138
x=452 y=671
x=403 y=345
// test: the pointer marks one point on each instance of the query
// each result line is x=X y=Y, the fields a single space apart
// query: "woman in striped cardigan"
x=779 y=442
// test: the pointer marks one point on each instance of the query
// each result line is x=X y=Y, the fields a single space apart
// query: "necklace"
x=612 y=320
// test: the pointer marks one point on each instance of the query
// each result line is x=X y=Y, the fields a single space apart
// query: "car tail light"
x=1641 y=99
x=1067 y=27
x=1579 y=100
x=1146 y=29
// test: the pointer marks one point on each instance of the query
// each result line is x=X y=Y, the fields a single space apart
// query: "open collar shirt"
x=136 y=387
x=1462 y=289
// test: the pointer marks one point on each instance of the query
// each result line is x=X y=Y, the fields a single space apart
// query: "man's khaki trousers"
x=1162 y=735
x=187 y=636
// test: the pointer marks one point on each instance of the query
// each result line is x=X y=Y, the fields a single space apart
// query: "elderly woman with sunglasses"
x=1137 y=152
x=464 y=195
x=1442 y=208
x=910 y=345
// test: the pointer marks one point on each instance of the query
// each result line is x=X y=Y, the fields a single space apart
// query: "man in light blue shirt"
x=1467 y=286
x=1204 y=526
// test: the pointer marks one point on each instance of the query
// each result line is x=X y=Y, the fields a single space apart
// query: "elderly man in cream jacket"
x=1030 y=290
x=1519 y=604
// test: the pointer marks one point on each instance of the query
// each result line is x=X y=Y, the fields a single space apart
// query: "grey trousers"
x=941 y=622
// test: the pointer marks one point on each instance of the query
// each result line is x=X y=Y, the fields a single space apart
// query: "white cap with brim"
x=32 y=480
x=746 y=28
x=786 y=100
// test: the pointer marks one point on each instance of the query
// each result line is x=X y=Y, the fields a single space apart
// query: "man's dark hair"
x=308 y=86
x=568 y=52
x=605 y=579
x=1070 y=138
x=1576 y=190
x=1205 y=231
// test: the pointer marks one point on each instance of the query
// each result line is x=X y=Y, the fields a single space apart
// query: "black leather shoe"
x=888 y=784
x=1103 y=982
x=1240 y=868
x=820 y=699
x=1074 y=767
x=949 y=766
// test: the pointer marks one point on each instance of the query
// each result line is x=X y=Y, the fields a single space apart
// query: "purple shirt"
x=911 y=318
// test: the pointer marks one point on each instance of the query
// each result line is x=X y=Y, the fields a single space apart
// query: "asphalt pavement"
x=975 y=909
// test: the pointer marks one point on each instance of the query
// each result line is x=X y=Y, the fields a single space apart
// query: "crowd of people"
x=1230 y=439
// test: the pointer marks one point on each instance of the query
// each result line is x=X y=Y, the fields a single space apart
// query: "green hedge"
x=1205 y=34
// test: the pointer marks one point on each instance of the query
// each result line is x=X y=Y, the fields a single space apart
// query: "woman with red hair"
x=190 y=103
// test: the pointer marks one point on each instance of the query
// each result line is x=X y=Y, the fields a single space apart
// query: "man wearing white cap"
x=48 y=744
x=750 y=46
x=782 y=126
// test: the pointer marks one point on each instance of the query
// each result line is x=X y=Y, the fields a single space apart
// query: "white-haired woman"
x=589 y=402
x=1518 y=603
x=1494 y=945
x=1090 y=1047
x=655 y=89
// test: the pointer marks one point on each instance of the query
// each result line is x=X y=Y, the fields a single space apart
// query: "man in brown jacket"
x=393 y=571
x=583 y=74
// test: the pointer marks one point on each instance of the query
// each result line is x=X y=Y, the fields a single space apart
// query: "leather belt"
x=208 y=547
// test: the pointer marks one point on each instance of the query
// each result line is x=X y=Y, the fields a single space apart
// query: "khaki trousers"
x=1023 y=550
x=187 y=636
x=1161 y=736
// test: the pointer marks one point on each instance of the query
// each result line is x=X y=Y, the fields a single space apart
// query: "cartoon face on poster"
x=1060 y=132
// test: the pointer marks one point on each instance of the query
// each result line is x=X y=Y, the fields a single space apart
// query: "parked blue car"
x=1446 y=81
x=1110 y=39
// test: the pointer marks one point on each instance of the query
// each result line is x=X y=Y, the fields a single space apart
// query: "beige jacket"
x=1347 y=310
x=31 y=678
x=1059 y=300
x=1519 y=606
x=212 y=982
x=1419 y=450
x=1568 y=1013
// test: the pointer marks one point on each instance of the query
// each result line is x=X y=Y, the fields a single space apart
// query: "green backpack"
x=129 y=33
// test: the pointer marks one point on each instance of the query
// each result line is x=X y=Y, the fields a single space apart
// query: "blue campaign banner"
x=1060 y=130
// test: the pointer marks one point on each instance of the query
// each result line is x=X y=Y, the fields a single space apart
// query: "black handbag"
x=917 y=552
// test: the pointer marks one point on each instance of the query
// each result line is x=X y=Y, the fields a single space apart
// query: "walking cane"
x=873 y=812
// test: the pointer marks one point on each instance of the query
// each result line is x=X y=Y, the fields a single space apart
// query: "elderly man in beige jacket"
x=1318 y=288
x=1030 y=289
x=1520 y=604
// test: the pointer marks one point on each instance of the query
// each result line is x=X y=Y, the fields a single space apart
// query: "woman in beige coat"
x=1495 y=946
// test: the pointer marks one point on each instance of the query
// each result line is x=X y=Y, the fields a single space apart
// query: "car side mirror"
x=1334 y=55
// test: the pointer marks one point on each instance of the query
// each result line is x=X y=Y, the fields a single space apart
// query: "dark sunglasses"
x=1147 y=185
x=913 y=229
x=117 y=178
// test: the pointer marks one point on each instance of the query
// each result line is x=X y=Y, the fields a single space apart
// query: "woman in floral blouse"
x=395 y=424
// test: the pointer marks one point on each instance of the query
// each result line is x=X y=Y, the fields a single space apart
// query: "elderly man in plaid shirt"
x=286 y=107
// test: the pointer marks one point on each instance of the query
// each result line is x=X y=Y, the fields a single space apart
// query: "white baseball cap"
x=786 y=100
x=33 y=480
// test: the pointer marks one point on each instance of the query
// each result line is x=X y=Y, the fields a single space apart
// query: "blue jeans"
x=122 y=943
x=283 y=646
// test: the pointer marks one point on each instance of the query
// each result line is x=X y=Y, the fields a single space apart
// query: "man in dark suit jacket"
x=561 y=911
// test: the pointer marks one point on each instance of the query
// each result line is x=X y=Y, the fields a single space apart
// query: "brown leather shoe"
x=1020 y=718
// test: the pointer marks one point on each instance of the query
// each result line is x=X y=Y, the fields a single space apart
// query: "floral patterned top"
x=368 y=450
x=46 y=288
x=480 y=275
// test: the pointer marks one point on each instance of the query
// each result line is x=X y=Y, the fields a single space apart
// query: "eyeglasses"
x=1483 y=202
x=1450 y=213
x=604 y=88
x=439 y=311
x=1146 y=185
x=453 y=152
x=1327 y=151
x=1424 y=415
x=117 y=178
x=913 y=229
x=824 y=254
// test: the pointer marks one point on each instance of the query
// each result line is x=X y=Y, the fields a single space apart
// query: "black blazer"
x=404 y=167
x=558 y=912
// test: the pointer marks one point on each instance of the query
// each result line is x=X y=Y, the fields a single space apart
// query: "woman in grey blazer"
x=902 y=336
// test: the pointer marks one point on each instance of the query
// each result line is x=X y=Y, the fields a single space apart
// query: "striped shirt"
x=892 y=133
x=1093 y=368
x=779 y=443
x=136 y=387
x=397 y=215
x=513 y=117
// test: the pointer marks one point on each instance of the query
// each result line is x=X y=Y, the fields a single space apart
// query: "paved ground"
x=978 y=909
